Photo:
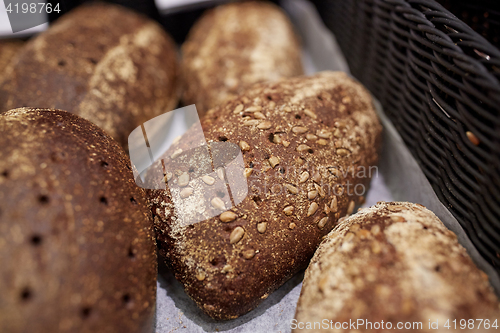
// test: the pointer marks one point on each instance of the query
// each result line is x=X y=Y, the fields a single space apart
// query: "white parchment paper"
x=404 y=181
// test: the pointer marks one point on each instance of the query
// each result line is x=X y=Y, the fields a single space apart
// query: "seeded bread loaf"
x=393 y=262
x=77 y=246
x=102 y=62
x=298 y=136
x=234 y=46
x=8 y=50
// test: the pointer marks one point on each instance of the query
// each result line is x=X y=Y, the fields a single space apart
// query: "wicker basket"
x=438 y=81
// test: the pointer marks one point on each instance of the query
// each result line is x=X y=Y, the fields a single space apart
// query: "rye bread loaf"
x=8 y=50
x=394 y=262
x=234 y=46
x=77 y=246
x=297 y=135
x=102 y=62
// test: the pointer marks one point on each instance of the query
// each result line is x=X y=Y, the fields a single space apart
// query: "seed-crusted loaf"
x=298 y=136
x=77 y=246
x=395 y=262
x=234 y=46
x=102 y=62
x=8 y=50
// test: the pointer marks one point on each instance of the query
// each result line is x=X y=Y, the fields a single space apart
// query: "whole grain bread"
x=102 y=62
x=301 y=139
x=8 y=51
x=394 y=262
x=77 y=246
x=234 y=46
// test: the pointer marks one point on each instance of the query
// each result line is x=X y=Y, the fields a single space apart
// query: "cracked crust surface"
x=228 y=264
x=234 y=46
x=102 y=62
x=77 y=245
x=397 y=262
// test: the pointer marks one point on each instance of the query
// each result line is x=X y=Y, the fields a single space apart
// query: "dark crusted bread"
x=102 y=62
x=77 y=247
x=234 y=46
x=297 y=135
x=394 y=262
x=8 y=50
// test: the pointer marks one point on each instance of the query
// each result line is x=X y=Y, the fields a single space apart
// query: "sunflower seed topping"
x=322 y=142
x=183 y=179
x=208 y=180
x=176 y=153
x=244 y=146
x=288 y=210
x=251 y=122
x=312 y=209
x=299 y=129
x=249 y=254
x=236 y=235
x=264 y=125
x=322 y=222
x=228 y=216
x=292 y=189
x=217 y=203
x=303 y=147
x=333 y=205
x=274 y=161
x=247 y=172
x=342 y=152
x=303 y=177
x=350 y=209
x=259 y=115
x=312 y=194
x=186 y=192
x=261 y=227
x=238 y=109
x=253 y=108
x=324 y=134
x=310 y=114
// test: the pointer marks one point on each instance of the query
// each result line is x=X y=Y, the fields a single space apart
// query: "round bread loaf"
x=8 y=50
x=393 y=263
x=301 y=139
x=234 y=46
x=77 y=247
x=102 y=62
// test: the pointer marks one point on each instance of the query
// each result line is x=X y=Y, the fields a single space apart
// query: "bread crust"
x=395 y=262
x=234 y=46
x=77 y=245
x=228 y=276
x=102 y=62
x=8 y=51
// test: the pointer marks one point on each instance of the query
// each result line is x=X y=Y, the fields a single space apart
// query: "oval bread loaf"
x=77 y=246
x=394 y=262
x=296 y=136
x=102 y=62
x=234 y=46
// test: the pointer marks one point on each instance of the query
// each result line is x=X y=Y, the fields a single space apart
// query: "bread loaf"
x=8 y=50
x=397 y=263
x=234 y=46
x=102 y=62
x=297 y=136
x=77 y=246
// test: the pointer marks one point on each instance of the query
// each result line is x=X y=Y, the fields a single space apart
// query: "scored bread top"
x=234 y=46
x=77 y=247
x=397 y=262
x=297 y=135
x=100 y=61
